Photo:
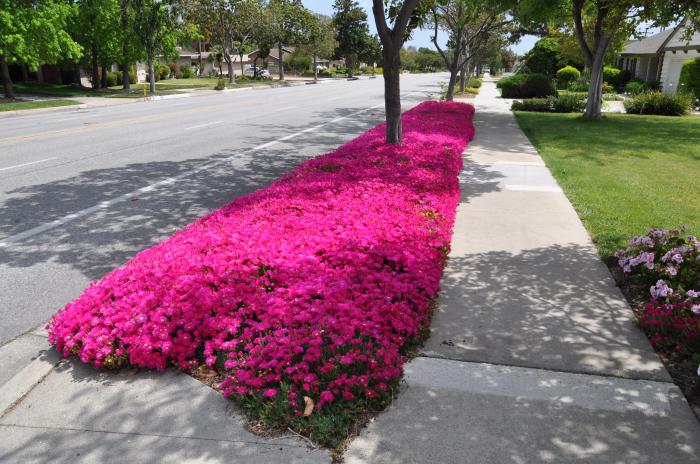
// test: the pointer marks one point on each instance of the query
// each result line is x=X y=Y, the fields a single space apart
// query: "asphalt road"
x=83 y=191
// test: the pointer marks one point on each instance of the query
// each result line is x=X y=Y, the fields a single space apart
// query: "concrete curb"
x=236 y=90
x=165 y=97
x=12 y=392
x=15 y=113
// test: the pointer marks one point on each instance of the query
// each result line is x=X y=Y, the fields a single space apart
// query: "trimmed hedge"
x=474 y=83
x=659 y=103
x=560 y=104
x=567 y=75
x=527 y=86
x=113 y=78
x=690 y=77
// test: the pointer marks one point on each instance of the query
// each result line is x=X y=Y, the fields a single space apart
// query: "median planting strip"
x=307 y=296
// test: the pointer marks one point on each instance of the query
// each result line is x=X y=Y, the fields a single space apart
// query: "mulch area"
x=684 y=371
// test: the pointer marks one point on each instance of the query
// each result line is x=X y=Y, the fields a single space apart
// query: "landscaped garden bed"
x=659 y=274
x=306 y=296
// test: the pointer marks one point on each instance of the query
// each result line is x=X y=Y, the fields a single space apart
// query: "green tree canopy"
x=34 y=33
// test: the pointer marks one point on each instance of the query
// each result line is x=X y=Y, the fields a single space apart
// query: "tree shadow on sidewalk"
x=554 y=307
x=79 y=414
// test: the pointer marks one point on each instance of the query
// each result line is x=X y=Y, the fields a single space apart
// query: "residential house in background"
x=660 y=57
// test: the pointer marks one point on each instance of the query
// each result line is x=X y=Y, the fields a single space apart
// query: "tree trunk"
x=6 y=80
x=463 y=78
x=126 y=79
x=349 y=62
x=315 y=69
x=76 y=75
x=104 y=76
x=449 y=96
x=281 y=60
x=95 y=70
x=392 y=95
x=240 y=56
x=595 y=89
x=151 y=72
x=231 y=74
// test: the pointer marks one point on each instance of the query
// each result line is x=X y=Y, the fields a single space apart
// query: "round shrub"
x=163 y=71
x=527 y=86
x=186 y=71
x=544 y=57
x=690 y=77
x=578 y=86
x=113 y=79
x=220 y=84
x=175 y=70
x=612 y=76
x=567 y=75
x=635 y=87
x=474 y=83
x=659 y=103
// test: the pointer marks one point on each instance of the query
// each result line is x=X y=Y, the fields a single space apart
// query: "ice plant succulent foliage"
x=670 y=264
x=312 y=287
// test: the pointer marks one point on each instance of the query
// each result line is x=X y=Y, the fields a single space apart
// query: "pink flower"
x=315 y=282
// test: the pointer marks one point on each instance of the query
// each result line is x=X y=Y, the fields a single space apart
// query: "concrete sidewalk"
x=534 y=354
x=73 y=413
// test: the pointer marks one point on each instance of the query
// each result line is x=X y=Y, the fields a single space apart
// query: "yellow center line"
x=121 y=122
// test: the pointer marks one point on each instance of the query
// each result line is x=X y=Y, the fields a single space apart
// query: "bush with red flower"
x=308 y=294
x=670 y=264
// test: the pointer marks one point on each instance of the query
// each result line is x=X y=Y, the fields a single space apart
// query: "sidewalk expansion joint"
x=546 y=369
x=159 y=435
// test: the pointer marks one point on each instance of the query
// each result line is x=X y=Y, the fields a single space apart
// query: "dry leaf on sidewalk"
x=206 y=373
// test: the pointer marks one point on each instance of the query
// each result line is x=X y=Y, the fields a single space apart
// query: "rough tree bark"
x=126 y=80
x=315 y=69
x=231 y=74
x=280 y=58
x=392 y=41
x=594 y=54
x=103 y=78
x=6 y=81
x=151 y=72
x=392 y=95
x=95 y=70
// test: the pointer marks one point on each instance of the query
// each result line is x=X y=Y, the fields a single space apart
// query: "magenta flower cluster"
x=312 y=286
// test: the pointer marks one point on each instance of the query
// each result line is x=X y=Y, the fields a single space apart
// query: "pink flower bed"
x=312 y=285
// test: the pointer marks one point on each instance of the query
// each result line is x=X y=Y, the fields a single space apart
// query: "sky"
x=421 y=38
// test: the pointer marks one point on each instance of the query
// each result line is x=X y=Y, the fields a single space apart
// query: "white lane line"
x=213 y=123
x=27 y=164
x=170 y=180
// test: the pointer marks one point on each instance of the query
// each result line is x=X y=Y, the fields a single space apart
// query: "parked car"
x=250 y=71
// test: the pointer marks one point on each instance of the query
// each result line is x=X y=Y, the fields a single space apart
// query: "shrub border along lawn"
x=35 y=104
x=308 y=296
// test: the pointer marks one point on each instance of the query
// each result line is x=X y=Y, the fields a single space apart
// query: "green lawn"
x=623 y=174
x=30 y=105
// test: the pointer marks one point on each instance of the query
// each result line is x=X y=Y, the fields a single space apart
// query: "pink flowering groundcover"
x=307 y=295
